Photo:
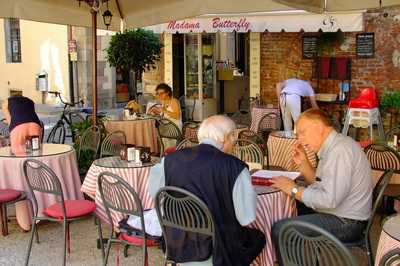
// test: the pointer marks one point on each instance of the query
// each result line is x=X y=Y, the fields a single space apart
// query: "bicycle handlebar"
x=56 y=93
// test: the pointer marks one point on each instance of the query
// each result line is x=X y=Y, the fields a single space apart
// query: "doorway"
x=178 y=65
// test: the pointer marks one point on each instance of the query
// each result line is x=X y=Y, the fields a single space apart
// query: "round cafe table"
x=59 y=157
x=389 y=239
x=280 y=146
x=272 y=206
x=141 y=131
x=136 y=176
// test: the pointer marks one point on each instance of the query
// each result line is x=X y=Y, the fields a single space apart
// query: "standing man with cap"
x=289 y=94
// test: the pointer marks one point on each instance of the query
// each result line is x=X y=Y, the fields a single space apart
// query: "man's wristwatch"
x=294 y=191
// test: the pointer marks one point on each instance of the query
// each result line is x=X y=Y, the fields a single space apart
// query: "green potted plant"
x=390 y=101
x=327 y=41
x=134 y=50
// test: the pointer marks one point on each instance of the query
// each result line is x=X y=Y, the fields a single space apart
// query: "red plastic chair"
x=366 y=100
x=41 y=178
x=7 y=197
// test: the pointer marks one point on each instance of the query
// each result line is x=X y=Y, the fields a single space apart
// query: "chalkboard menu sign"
x=365 y=45
x=310 y=46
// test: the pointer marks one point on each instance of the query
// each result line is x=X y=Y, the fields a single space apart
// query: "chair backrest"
x=249 y=152
x=186 y=143
x=382 y=157
x=392 y=258
x=112 y=144
x=57 y=134
x=180 y=209
x=90 y=140
x=270 y=121
x=377 y=197
x=256 y=138
x=241 y=118
x=168 y=130
x=4 y=129
x=188 y=129
x=75 y=118
x=302 y=243
x=41 y=178
x=118 y=196
x=391 y=132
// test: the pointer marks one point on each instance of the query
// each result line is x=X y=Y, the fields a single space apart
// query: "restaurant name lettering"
x=217 y=23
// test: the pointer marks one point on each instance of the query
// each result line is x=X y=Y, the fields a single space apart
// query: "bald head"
x=312 y=128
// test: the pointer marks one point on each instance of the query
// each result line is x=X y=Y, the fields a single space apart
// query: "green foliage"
x=136 y=50
x=328 y=40
x=391 y=99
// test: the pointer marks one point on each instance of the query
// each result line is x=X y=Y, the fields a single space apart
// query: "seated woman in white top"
x=170 y=107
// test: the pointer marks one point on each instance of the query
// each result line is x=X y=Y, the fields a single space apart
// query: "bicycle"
x=68 y=117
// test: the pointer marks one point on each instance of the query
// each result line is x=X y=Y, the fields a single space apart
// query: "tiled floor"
x=83 y=247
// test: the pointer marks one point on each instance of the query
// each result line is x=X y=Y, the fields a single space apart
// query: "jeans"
x=346 y=230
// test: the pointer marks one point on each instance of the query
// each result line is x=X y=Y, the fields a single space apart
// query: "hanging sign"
x=365 y=45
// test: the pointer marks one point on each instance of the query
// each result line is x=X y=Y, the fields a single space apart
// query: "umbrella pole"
x=94 y=65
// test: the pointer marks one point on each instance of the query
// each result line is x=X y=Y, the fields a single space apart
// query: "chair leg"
x=30 y=242
x=65 y=225
x=126 y=251
x=36 y=231
x=3 y=219
x=108 y=249
x=100 y=231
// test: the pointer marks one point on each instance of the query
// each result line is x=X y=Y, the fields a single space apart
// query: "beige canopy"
x=134 y=13
x=318 y=6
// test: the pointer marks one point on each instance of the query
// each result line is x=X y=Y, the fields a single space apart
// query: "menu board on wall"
x=310 y=46
x=365 y=45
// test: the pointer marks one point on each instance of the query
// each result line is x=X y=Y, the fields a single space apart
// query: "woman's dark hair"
x=165 y=87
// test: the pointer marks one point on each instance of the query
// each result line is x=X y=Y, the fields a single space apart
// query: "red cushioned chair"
x=366 y=100
x=118 y=196
x=7 y=197
x=41 y=178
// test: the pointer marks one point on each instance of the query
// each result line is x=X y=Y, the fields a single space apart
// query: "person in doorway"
x=19 y=112
x=170 y=107
x=289 y=94
x=338 y=197
x=223 y=183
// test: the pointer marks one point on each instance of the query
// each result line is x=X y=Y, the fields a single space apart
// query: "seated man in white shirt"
x=223 y=182
x=338 y=197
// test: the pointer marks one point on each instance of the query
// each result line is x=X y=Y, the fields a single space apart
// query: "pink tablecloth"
x=271 y=208
x=258 y=112
x=280 y=153
x=136 y=177
x=65 y=167
x=141 y=132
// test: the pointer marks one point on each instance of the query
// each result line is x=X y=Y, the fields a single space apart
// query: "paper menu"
x=269 y=174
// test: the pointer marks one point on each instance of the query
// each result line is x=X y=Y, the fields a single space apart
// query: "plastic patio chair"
x=178 y=208
x=302 y=243
x=112 y=144
x=118 y=196
x=41 y=178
